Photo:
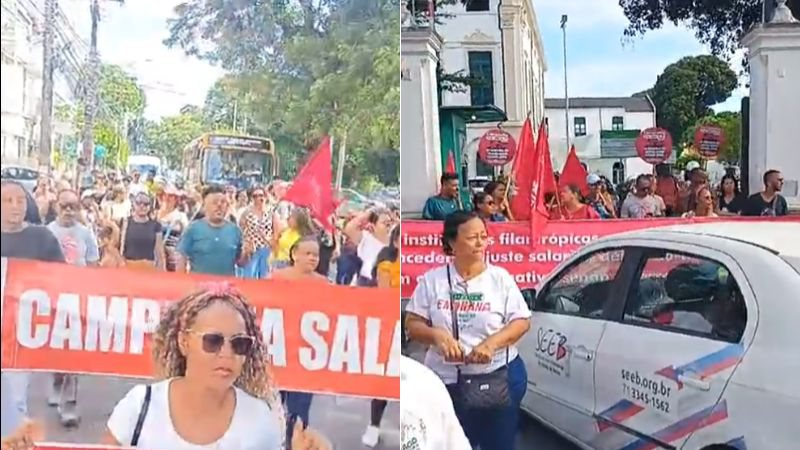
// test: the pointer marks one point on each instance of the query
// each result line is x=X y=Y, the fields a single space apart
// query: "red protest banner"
x=510 y=245
x=99 y=321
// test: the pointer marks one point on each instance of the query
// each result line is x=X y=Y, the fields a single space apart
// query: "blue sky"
x=600 y=61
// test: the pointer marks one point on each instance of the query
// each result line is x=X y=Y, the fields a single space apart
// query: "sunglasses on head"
x=241 y=344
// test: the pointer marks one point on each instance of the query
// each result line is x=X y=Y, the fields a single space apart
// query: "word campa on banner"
x=75 y=321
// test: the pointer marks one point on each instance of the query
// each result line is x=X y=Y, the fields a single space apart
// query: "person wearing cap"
x=598 y=198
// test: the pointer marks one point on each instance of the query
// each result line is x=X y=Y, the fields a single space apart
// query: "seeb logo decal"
x=552 y=353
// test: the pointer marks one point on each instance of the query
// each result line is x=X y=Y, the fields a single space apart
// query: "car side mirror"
x=529 y=294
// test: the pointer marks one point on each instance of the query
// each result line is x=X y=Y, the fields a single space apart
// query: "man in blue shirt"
x=445 y=202
x=213 y=244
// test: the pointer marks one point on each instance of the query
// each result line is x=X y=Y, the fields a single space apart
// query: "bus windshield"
x=143 y=169
x=242 y=169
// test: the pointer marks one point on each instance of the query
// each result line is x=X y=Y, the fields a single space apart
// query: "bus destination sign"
x=239 y=142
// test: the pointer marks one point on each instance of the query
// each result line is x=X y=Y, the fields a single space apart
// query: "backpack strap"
x=137 y=431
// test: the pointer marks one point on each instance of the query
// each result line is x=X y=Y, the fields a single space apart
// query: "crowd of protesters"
x=646 y=196
x=150 y=224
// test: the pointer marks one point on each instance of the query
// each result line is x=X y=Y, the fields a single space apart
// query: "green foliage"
x=169 y=136
x=299 y=70
x=731 y=124
x=687 y=89
x=720 y=24
x=121 y=101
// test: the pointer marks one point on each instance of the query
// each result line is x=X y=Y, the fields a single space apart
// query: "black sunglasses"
x=241 y=344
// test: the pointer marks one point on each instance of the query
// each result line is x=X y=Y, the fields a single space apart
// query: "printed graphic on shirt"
x=413 y=432
x=467 y=306
x=70 y=248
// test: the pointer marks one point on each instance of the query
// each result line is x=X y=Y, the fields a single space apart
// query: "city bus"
x=229 y=159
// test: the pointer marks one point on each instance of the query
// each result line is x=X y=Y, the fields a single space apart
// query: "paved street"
x=340 y=419
x=535 y=436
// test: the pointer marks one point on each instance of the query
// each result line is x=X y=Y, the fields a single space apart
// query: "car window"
x=688 y=294
x=582 y=288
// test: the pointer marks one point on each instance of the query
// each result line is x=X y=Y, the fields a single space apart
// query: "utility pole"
x=91 y=90
x=48 y=66
x=566 y=90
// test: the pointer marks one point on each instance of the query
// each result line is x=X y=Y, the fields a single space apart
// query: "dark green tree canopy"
x=718 y=23
x=687 y=89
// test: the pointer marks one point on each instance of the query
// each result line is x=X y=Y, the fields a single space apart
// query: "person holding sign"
x=213 y=389
x=471 y=315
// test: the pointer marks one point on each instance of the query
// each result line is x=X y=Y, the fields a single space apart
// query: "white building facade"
x=589 y=118
x=22 y=25
x=500 y=42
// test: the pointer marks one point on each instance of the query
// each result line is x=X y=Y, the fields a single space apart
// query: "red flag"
x=574 y=173
x=522 y=171
x=312 y=187
x=451 y=163
x=544 y=182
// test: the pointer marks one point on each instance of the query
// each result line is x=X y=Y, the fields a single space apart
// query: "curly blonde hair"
x=169 y=361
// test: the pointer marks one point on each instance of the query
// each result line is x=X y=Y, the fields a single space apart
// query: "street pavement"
x=534 y=435
x=340 y=419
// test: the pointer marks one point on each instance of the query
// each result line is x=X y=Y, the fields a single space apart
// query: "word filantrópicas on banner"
x=320 y=338
x=510 y=245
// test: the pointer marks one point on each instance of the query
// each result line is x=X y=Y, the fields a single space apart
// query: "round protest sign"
x=654 y=145
x=496 y=147
x=708 y=140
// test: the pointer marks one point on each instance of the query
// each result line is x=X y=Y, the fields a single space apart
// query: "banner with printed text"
x=320 y=338
x=510 y=245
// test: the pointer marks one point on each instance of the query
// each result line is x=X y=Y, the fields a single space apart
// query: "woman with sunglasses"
x=256 y=223
x=141 y=239
x=704 y=204
x=471 y=335
x=486 y=207
x=213 y=389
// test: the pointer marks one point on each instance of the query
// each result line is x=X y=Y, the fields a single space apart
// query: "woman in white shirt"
x=213 y=389
x=370 y=232
x=491 y=316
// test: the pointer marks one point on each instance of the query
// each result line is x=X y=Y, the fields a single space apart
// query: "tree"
x=731 y=124
x=720 y=24
x=168 y=137
x=687 y=89
x=121 y=105
x=299 y=70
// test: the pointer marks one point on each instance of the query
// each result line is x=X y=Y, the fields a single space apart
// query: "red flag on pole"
x=574 y=173
x=522 y=171
x=544 y=182
x=451 y=163
x=312 y=188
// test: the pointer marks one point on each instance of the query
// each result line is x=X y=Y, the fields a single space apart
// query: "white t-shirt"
x=491 y=294
x=428 y=420
x=368 y=250
x=254 y=425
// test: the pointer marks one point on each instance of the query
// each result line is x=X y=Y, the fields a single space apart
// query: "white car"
x=680 y=337
x=23 y=175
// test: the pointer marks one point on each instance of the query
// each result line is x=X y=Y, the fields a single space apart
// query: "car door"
x=661 y=369
x=568 y=321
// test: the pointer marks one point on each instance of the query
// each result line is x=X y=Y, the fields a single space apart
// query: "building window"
x=580 y=126
x=477 y=5
x=480 y=68
x=617 y=123
x=618 y=173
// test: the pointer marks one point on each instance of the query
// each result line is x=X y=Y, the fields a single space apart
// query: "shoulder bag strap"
x=137 y=431
x=453 y=312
